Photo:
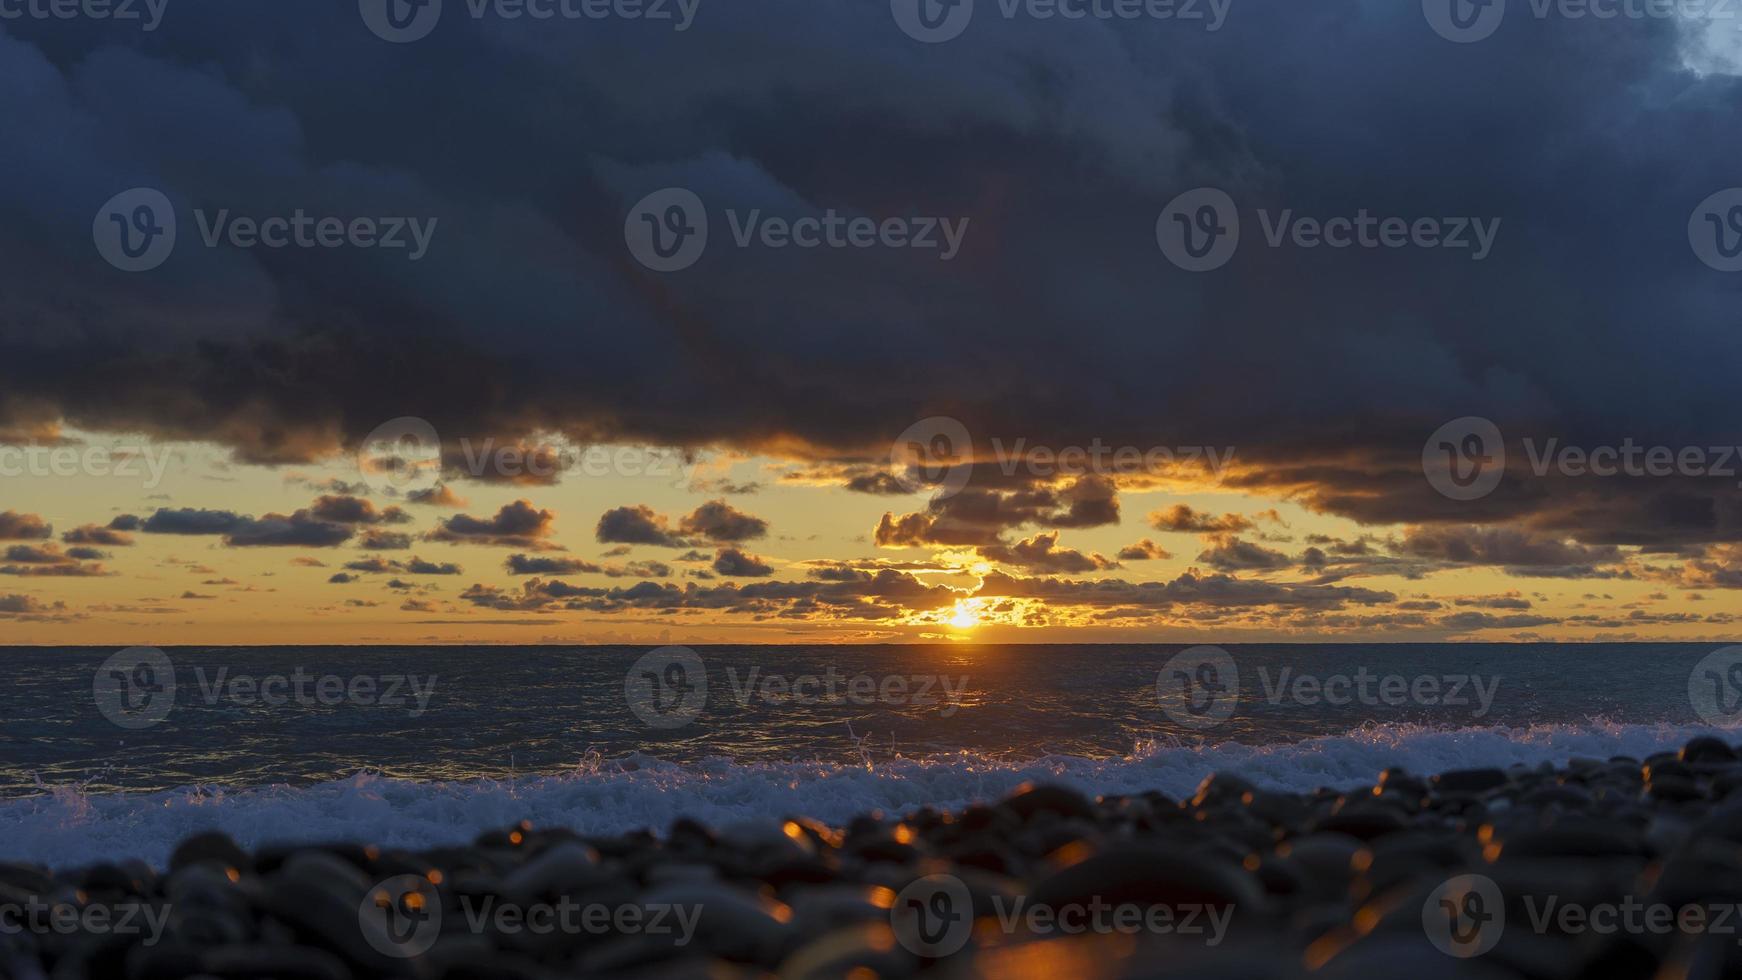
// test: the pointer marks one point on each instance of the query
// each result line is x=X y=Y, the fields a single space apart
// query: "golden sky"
x=782 y=552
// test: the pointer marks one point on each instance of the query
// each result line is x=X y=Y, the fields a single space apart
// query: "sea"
x=108 y=754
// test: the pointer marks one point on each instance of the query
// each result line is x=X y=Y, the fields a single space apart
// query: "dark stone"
x=1149 y=874
x=1222 y=787
x=273 y=963
x=1707 y=749
x=1474 y=781
x=214 y=846
x=1362 y=821
x=1674 y=789
x=1049 y=798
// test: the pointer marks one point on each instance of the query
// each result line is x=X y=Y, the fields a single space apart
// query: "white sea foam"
x=67 y=828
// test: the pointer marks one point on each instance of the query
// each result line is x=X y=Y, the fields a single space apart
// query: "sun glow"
x=966 y=615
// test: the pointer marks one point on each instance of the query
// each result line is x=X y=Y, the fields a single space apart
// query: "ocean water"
x=104 y=757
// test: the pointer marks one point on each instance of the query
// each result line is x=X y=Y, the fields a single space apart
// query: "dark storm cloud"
x=355 y=510
x=1231 y=554
x=1192 y=589
x=375 y=539
x=518 y=524
x=16 y=606
x=1181 y=517
x=1059 y=322
x=1517 y=552
x=540 y=565
x=302 y=528
x=1145 y=550
x=49 y=561
x=639 y=524
x=189 y=520
x=735 y=563
x=1042 y=554
x=980 y=514
x=876 y=597
x=299 y=530
x=23 y=527
x=93 y=534
x=717 y=520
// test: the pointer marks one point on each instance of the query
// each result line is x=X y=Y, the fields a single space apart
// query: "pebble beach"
x=1617 y=867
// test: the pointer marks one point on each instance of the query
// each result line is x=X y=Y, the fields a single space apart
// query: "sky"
x=1248 y=321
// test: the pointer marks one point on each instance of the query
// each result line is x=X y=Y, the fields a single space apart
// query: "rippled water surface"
x=504 y=712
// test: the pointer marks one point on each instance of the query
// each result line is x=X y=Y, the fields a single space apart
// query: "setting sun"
x=966 y=615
